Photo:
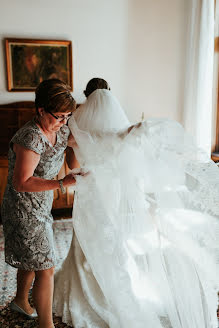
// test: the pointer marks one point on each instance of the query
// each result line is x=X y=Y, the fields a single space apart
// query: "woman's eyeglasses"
x=60 y=118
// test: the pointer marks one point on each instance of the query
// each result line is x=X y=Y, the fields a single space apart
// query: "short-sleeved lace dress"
x=26 y=216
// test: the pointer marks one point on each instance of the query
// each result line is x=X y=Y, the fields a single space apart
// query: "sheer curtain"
x=199 y=72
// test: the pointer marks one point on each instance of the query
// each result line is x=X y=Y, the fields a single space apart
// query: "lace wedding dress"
x=145 y=247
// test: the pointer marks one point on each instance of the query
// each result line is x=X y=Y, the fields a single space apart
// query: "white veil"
x=101 y=112
x=146 y=218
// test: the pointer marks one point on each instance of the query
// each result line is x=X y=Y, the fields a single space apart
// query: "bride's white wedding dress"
x=145 y=247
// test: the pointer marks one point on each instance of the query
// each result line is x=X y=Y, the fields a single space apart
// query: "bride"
x=145 y=249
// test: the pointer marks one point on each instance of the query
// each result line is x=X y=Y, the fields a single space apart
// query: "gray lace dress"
x=26 y=216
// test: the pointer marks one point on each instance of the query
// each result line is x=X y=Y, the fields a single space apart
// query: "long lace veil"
x=146 y=217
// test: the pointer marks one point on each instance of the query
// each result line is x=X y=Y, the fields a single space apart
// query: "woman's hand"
x=126 y=132
x=136 y=126
x=69 y=180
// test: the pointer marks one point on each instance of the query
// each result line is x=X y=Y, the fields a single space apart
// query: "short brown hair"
x=54 y=95
x=94 y=84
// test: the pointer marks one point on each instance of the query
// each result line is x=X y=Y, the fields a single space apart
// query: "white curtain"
x=199 y=72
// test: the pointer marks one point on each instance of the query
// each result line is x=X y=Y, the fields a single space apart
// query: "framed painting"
x=30 y=61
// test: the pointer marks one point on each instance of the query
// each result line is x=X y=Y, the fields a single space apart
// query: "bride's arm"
x=123 y=134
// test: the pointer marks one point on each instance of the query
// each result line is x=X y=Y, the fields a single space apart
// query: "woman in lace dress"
x=36 y=154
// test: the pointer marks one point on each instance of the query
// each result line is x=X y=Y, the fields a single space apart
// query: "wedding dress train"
x=145 y=249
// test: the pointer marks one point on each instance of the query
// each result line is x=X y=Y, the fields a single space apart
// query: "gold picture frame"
x=30 y=61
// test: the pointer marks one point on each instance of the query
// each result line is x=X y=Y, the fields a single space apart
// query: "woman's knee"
x=25 y=273
x=45 y=274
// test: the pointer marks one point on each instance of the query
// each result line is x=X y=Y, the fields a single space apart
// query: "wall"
x=137 y=45
x=156 y=54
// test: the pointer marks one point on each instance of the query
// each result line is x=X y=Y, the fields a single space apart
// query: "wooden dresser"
x=215 y=157
x=12 y=117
